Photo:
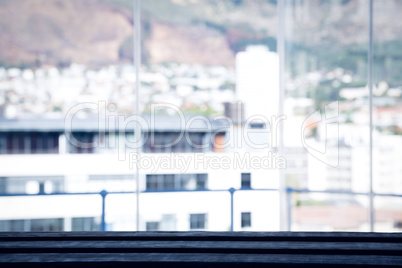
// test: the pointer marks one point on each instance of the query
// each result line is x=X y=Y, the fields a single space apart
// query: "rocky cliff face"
x=95 y=32
x=57 y=32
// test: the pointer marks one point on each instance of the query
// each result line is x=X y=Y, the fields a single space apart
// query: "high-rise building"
x=257 y=81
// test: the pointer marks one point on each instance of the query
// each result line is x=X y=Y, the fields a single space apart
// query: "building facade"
x=51 y=178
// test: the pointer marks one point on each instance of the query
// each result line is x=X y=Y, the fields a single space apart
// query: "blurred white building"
x=183 y=186
x=257 y=81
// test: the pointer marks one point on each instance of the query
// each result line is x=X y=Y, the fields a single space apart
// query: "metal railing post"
x=289 y=207
x=103 y=219
x=231 y=191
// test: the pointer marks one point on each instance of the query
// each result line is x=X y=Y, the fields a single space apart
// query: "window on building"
x=33 y=185
x=41 y=143
x=84 y=224
x=198 y=221
x=42 y=187
x=176 y=181
x=245 y=180
x=154 y=182
x=32 y=225
x=3 y=185
x=13 y=226
x=195 y=140
x=166 y=142
x=3 y=143
x=168 y=181
x=84 y=140
x=245 y=219
x=398 y=224
x=152 y=226
x=29 y=142
x=257 y=125
x=201 y=181
x=47 y=225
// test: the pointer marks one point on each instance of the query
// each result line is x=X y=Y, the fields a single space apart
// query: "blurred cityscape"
x=67 y=131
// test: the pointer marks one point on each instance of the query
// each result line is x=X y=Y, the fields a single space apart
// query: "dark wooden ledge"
x=200 y=249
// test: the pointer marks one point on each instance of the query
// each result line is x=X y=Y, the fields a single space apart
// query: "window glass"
x=236 y=72
x=387 y=114
x=198 y=221
x=176 y=181
x=245 y=180
x=32 y=225
x=152 y=226
x=326 y=133
x=245 y=219
x=85 y=224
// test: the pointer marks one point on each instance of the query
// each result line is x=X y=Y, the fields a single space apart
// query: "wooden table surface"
x=200 y=249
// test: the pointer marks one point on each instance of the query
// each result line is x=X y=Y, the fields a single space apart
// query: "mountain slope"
x=96 y=32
